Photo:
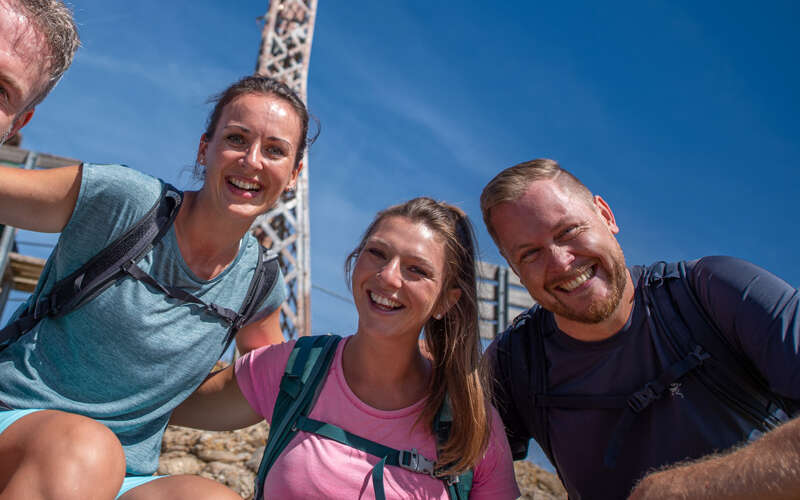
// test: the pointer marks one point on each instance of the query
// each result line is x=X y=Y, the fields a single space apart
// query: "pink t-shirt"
x=312 y=466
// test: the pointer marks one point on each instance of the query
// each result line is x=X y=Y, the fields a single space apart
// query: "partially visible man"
x=38 y=39
x=620 y=371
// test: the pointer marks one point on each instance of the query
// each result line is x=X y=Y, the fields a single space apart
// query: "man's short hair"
x=513 y=182
x=54 y=22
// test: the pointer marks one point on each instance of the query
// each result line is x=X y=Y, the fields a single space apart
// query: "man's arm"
x=760 y=315
x=768 y=468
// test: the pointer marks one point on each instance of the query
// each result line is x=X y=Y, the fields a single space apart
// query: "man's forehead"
x=23 y=48
x=550 y=195
x=19 y=30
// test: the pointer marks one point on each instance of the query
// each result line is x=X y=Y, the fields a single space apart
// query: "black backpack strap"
x=729 y=374
x=522 y=383
x=644 y=397
x=102 y=270
x=263 y=282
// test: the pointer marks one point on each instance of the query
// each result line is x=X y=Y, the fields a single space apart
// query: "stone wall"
x=232 y=458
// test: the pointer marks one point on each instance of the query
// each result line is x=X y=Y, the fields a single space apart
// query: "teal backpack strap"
x=458 y=487
x=410 y=460
x=306 y=368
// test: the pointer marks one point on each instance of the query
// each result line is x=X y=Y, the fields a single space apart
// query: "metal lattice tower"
x=284 y=55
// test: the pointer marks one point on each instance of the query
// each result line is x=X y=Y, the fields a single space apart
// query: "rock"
x=255 y=459
x=234 y=476
x=173 y=463
x=225 y=456
x=537 y=484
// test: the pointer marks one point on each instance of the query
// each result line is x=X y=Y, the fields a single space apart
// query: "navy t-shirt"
x=758 y=313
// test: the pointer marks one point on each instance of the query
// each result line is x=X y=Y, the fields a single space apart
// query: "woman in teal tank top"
x=64 y=437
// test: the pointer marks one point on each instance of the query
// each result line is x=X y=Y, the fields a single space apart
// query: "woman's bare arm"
x=217 y=405
x=260 y=332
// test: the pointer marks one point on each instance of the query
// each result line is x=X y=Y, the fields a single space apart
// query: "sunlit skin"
x=397 y=287
x=22 y=72
x=250 y=157
x=554 y=239
x=250 y=161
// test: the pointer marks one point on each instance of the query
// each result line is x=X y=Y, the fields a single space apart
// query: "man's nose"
x=561 y=257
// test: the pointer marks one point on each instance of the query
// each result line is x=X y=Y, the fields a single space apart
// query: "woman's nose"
x=390 y=274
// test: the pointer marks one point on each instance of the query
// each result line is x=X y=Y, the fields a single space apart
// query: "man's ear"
x=20 y=122
x=605 y=212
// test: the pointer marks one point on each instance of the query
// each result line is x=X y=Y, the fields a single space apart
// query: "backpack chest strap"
x=410 y=460
x=229 y=316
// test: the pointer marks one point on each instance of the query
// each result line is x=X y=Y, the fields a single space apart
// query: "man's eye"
x=529 y=255
x=569 y=232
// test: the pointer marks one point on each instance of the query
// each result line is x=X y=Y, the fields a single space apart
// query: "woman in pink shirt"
x=413 y=271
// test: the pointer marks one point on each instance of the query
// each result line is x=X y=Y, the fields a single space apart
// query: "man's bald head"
x=510 y=184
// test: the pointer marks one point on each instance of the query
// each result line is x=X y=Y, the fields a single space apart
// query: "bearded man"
x=689 y=369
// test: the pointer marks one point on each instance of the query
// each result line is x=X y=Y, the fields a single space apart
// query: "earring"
x=288 y=189
x=437 y=316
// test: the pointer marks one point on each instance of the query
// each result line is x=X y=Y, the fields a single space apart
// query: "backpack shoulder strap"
x=728 y=373
x=458 y=487
x=263 y=282
x=306 y=368
x=102 y=270
x=521 y=353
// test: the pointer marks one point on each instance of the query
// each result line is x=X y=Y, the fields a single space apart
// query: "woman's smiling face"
x=250 y=158
x=398 y=278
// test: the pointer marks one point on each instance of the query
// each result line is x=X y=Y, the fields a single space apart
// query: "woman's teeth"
x=383 y=301
x=247 y=186
x=578 y=280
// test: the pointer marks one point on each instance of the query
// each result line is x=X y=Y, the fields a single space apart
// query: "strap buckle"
x=699 y=355
x=45 y=306
x=413 y=461
x=641 y=399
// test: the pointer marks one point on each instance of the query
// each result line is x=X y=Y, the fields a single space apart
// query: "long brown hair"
x=452 y=340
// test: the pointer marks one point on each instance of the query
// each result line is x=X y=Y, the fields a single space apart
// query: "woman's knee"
x=75 y=456
x=182 y=487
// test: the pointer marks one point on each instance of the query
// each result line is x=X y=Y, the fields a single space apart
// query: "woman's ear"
x=449 y=301
x=201 y=150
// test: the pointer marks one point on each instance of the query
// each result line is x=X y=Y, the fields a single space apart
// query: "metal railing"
x=501 y=298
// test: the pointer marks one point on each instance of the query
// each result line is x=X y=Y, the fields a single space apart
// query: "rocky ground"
x=232 y=458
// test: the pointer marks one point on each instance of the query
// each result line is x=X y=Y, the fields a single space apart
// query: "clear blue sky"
x=684 y=115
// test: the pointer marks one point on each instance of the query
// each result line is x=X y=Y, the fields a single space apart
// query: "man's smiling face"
x=23 y=65
x=561 y=244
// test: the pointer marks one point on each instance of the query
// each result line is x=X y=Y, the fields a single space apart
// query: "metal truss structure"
x=284 y=55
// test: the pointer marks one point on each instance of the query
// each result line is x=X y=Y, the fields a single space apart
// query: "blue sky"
x=683 y=115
